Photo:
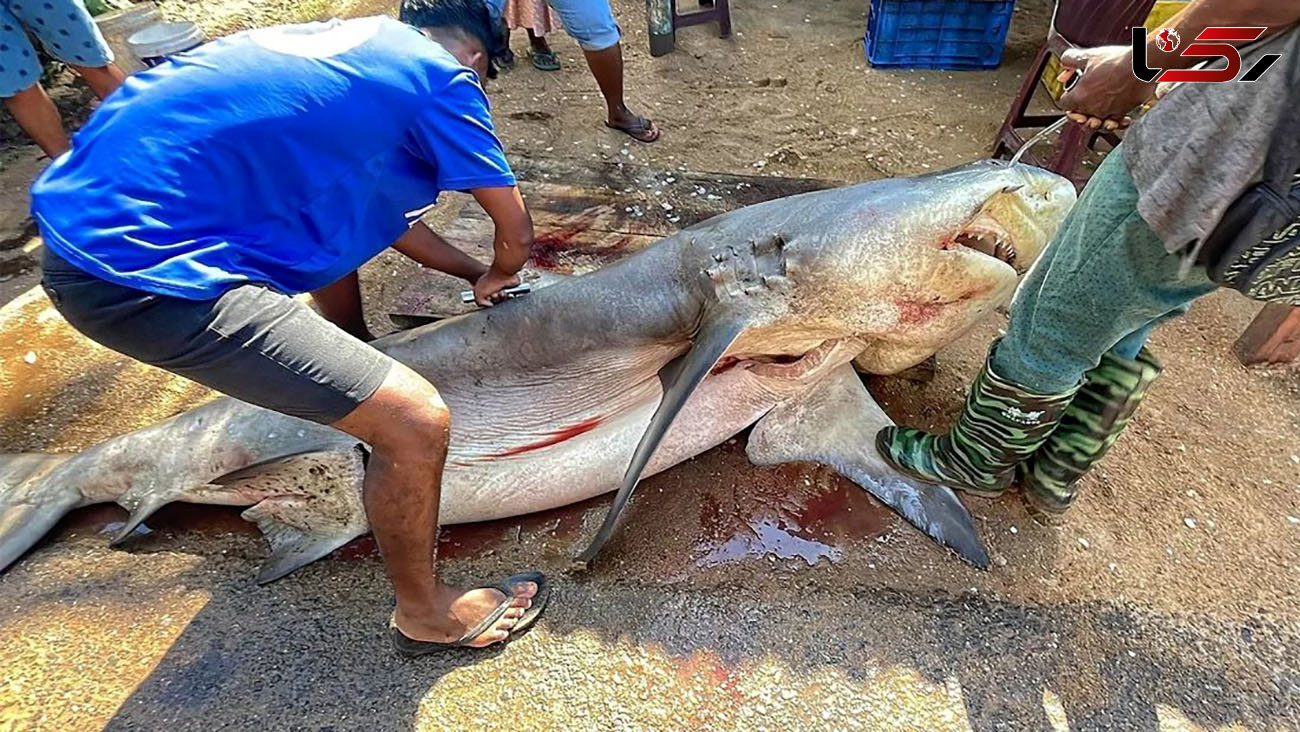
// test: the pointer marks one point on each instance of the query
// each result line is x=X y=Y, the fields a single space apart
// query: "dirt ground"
x=737 y=596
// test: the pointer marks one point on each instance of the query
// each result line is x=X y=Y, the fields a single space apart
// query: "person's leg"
x=1105 y=276
x=408 y=427
x=36 y=114
x=103 y=80
x=1130 y=345
x=540 y=53
x=607 y=66
x=67 y=31
x=20 y=74
x=1111 y=393
x=591 y=23
x=340 y=303
x=537 y=42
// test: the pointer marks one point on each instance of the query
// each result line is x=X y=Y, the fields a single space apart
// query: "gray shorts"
x=251 y=343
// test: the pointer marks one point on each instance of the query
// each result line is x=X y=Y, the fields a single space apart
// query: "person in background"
x=538 y=19
x=1057 y=390
x=68 y=33
x=591 y=23
x=276 y=162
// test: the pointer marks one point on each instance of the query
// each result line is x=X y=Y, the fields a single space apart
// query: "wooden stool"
x=1273 y=337
x=664 y=20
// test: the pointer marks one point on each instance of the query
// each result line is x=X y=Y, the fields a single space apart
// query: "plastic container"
x=152 y=45
x=937 y=34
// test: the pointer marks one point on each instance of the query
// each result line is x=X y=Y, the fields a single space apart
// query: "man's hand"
x=487 y=289
x=1106 y=90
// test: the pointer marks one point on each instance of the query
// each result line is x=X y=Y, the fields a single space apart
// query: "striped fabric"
x=1095 y=418
x=1000 y=426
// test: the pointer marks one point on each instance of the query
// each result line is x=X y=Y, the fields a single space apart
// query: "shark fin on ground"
x=31 y=504
x=143 y=504
x=835 y=425
x=679 y=377
x=312 y=505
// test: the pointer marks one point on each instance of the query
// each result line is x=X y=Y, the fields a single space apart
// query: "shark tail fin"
x=32 y=500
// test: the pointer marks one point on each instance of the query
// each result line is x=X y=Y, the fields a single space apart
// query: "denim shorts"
x=252 y=343
x=590 y=22
x=64 y=28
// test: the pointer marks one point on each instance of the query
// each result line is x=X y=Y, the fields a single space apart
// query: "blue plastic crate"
x=937 y=34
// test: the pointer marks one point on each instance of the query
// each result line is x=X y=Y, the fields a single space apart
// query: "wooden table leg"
x=1273 y=337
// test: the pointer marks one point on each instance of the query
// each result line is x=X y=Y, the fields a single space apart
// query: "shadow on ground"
x=310 y=652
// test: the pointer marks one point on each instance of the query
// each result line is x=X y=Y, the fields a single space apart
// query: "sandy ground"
x=736 y=596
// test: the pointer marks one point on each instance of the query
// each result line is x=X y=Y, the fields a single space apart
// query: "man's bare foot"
x=453 y=612
x=637 y=127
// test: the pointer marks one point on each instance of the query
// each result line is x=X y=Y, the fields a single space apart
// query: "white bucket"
x=154 y=44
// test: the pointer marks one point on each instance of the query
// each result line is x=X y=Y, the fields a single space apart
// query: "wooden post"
x=118 y=25
x=1273 y=337
x=659 y=17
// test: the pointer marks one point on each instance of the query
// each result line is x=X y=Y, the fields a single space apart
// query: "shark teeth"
x=991 y=243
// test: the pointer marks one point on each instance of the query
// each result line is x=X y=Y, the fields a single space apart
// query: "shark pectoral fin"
x=141 y=504
x=679 y=377
x=835 y=424
x=293 y=546
x=310 y=505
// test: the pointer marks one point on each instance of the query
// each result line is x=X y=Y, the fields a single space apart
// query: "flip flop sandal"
x=638 y=130
x=544 y=60
x=412 y=648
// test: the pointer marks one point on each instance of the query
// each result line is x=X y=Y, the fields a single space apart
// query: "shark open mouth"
x=988 y=240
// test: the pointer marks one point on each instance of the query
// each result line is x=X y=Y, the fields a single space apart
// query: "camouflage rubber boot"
x=1091 y=424
x=1000 y=426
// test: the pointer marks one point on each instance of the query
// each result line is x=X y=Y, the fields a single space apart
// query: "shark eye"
x=1013 y=187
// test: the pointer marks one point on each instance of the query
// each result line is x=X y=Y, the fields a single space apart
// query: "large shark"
x=755 y=317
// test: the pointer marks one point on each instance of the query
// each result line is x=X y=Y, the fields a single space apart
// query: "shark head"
x=905 y=264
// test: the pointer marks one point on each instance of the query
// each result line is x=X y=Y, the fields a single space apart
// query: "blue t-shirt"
x=286 y=156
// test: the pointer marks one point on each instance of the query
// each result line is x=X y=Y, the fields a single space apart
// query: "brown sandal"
x=641 y=129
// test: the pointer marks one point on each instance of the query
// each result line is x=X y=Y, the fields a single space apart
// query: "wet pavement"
x=173 y=634
x=734 y=597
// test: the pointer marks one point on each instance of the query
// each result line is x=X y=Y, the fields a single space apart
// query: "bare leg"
x=35 y=112
x=538 y=43
x=408 y=427
x=340 y=303
x=103 y=80
x=607 y=67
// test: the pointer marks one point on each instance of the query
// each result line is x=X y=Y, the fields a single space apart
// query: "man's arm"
x=424 y=246
x=1108 y=90
x=512 y=243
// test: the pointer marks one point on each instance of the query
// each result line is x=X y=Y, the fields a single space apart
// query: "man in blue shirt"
x=211 y=188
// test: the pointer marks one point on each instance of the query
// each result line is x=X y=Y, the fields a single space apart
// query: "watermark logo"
x=1167 y=40
x=1214 y=42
